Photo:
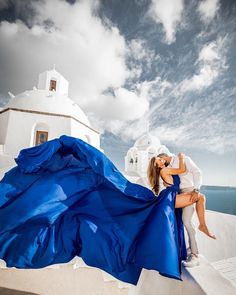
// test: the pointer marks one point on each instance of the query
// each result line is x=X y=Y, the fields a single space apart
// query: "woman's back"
x=171 y=180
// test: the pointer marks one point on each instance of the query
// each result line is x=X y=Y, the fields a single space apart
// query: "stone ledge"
x=210 y=279
x=227 y=267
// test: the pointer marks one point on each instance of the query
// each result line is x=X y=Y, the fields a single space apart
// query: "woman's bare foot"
x=205 y=229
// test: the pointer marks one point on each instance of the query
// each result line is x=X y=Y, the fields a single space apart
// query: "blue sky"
x=171 y=64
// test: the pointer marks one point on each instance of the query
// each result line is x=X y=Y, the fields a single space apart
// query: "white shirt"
x=193 y=175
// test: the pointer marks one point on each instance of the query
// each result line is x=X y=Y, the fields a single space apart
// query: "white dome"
x=147 y=140
x=164 y=149
x=48 y=102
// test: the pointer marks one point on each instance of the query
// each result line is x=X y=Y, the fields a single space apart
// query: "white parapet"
x=224 y=227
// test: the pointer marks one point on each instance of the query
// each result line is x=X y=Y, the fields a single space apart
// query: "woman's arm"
x=175 y=171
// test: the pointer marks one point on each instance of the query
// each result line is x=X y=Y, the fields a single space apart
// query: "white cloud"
x=208 y=9
x=134 y=107
x=189 y=113
x=171 y=134
x=204 y=78
x=202 y=121
x=124 y=105
x=99 y=63
x=137 y=49
x=91 y=56
x=169 y=13
x=212 y=62
x=140 y=58
x=209 y=52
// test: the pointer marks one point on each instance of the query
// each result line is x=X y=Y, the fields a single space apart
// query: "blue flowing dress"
x=65 y=198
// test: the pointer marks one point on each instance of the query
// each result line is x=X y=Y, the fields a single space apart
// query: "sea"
x=220 y=198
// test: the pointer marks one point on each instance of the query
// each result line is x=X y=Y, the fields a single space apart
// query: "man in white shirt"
x=190 y=181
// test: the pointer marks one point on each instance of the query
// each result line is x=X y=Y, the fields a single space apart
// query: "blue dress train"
x=65 y=198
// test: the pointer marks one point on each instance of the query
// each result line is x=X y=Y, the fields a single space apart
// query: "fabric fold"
x=66 y=198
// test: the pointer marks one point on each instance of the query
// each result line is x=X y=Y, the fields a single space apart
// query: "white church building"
x=43 y=113
x=139 y=155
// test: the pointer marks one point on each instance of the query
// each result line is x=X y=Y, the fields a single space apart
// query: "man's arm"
x=175 y=171
x=197 y=173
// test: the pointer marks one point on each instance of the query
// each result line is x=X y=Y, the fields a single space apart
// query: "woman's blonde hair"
x=153 y=174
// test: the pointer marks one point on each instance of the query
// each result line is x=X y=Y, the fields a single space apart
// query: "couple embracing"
x=185 y=172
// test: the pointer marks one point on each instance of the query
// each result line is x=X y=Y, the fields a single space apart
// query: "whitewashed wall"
x=81 y=131
x=4 y=117
x=21 y=130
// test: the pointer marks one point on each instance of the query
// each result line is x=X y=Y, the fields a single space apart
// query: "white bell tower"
x=53 y=81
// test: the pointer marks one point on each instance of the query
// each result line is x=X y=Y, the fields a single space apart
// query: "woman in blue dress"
x=157 y=168
x=65 y=198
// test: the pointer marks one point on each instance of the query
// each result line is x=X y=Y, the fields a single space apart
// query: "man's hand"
x=194 y=196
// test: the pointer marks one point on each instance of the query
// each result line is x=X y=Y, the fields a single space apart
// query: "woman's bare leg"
x=184 y=199
x=200 y=209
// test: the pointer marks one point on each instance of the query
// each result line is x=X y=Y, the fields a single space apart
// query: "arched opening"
x=130 y=157
x=40 y=134
x=53 y=85
x=41 y=137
